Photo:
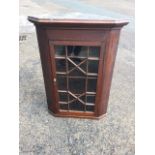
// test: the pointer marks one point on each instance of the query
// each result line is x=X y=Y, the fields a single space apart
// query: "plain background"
x=145 y=77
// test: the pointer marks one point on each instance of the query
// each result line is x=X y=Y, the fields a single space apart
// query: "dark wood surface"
x=71 y=23
x=104 y=33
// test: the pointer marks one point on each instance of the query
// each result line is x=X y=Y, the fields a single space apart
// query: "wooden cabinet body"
x=77 y=59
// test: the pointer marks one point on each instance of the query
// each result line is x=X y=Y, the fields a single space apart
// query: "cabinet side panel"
x=107 y=70
x=46 y=67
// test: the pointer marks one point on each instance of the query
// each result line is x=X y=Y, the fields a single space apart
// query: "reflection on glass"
x=74 y=50
x=60 y=50
x=94 y=51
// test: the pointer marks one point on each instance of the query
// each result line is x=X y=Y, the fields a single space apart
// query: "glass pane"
x=70 y=50
x=64 y=106
x=77 y=68
x=70 y=65
x=60 y=51
x=94 y=51
x=60 y=65
x=84 y=51
x=71 y=98
x=73 y=62
x=77 y=72
x=83 y=66
x=90 y=108
x=91 y=99
x=61 y=82
x=76 y=106
x=63 y=97
x=93 y=66
x=77 y=86
x=83 y=98
x=91 y=87
x=76 y=51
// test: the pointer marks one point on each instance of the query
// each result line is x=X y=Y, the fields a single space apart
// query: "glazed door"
x=76 y=75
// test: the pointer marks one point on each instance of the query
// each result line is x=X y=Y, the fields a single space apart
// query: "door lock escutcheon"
x=54 y=80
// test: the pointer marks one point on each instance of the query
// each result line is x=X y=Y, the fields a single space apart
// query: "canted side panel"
x=47 y=68
x=107 y=70
x=76 y=74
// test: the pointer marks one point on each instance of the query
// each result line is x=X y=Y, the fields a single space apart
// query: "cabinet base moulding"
x=59 y=114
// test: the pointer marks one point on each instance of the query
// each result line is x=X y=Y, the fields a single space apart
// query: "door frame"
x=101 y=44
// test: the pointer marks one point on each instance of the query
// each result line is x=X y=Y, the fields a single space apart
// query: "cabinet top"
x=78 y=22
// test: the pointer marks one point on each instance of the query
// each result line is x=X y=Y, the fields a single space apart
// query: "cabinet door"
x=76 y=74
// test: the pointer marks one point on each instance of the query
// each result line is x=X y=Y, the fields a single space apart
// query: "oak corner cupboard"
x=77 y=58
